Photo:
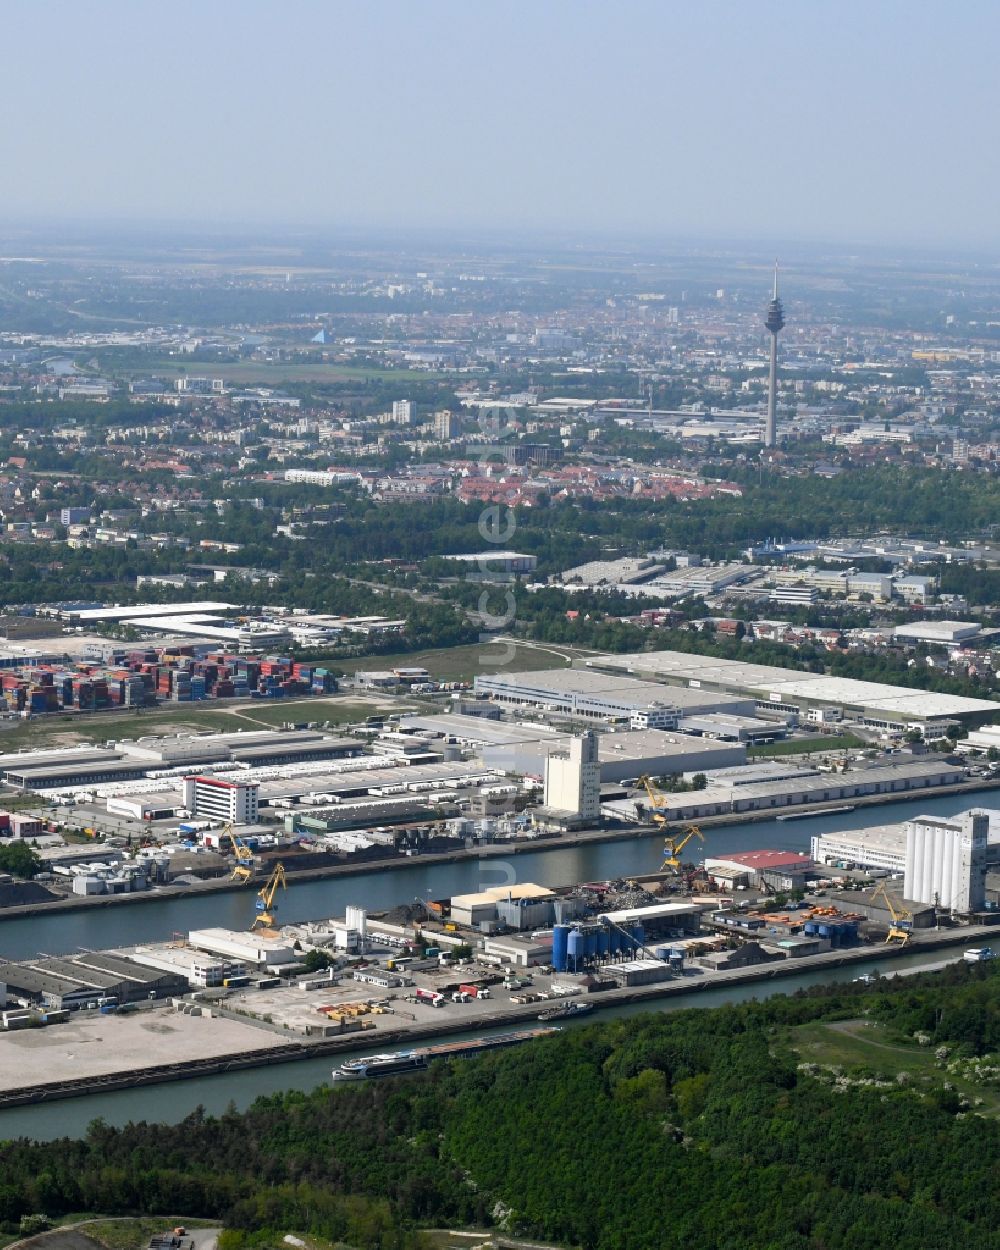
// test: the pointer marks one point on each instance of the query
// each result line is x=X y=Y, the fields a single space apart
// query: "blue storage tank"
x=614 y=941
x=560 y=947
x=592 y=939
x=810 y=927
x=603 y=943
x=639 y=935
x=575 y=949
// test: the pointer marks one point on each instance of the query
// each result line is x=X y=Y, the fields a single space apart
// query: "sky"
x=859 y=122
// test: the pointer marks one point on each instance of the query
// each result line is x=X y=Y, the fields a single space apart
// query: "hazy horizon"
x=779 y=122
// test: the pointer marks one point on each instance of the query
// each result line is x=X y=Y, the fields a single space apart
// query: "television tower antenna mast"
x=775 y=321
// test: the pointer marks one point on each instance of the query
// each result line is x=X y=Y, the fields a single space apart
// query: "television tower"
x=775 y=321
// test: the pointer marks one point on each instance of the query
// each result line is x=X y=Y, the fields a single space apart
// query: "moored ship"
x=565 y=1011
x=402 y=1062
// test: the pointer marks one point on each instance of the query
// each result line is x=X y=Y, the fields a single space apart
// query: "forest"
x=696 y=1129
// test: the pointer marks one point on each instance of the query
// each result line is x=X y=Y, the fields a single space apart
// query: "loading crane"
x=900 y=920
x=656 y=801
x=229 y=839
x=244 y=866
x=266 y=906
x=672 y=848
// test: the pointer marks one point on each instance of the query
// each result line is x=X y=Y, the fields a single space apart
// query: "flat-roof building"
x=879 y=846
x=89 y=979
x=783 y=870
x=874 y=704
x=599 y=696
x=233 y=802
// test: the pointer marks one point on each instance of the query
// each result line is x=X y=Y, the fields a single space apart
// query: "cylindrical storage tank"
x=560 y=947
x=591 y=943
x=614 y=941
x=662 y=952
x=824 y=930
x=810 y=927
x=603 y=943
x=575 y=949
x=639 y=935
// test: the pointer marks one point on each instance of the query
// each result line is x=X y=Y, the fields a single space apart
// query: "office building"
x=210 y=798
x=882 y=847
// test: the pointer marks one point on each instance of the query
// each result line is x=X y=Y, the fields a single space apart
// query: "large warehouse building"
x=129 y=760
x=782 y=690
x=624 y=754
x=600 y=696
x=722 y=800
x=88 y=980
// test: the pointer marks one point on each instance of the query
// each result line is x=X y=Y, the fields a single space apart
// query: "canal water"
x=169 y=1104
x=123 y=925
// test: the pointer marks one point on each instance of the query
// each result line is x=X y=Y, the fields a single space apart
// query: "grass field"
x=463 y=663
x=807 y=746
x=57 y=730
x=851 y=1044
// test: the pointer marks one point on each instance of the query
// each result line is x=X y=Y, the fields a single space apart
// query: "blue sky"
x=848 y=121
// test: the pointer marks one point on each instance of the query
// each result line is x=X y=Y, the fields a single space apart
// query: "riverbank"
x=498 y=851
x=437 y=1024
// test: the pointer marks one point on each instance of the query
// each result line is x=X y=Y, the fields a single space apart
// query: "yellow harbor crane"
x=656 y=801
x=900 y=920
x=244 y=866
x=672 y=848
x=266 y=906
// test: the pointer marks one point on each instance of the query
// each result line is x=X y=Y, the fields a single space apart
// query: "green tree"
x=20 y=860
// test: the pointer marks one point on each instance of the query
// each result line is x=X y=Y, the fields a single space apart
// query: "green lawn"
x=56 y=729
x=336 y=711
x=807 y=746
x=464 y=663
x=863 y=1043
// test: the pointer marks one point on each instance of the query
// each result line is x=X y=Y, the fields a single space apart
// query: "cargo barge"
x=566 y=1011
x=398 y=1063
